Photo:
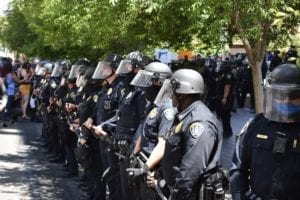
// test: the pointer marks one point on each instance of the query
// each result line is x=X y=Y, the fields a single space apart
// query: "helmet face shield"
x=37 y=68
x=143 y=79
x=124 y=67
x=57 y=71
x=165 y=93
x=41 y=71
x=282 y=102
x=102 y=71
x=75 y=72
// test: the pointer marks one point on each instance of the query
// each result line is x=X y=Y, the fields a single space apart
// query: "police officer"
x=71 y=102
x=87 y=148
x=193 y=144
x=108 y=102
x=225 y=96
x=132 y=110
x=210 y=76
x=266 y=161
x=158 y=121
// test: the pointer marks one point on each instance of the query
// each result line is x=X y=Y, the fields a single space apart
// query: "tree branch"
x=243 y=36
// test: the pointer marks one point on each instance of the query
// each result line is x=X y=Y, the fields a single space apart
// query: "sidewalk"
x=238 y=120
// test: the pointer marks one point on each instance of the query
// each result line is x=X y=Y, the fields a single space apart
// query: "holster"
x=215 y=185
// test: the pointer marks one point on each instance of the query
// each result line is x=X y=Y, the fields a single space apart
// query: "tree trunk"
x=257 y=85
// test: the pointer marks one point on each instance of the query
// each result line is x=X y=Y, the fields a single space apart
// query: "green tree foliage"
x=93 y=28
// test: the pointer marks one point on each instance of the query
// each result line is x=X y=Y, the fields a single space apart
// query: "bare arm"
x=157 y=153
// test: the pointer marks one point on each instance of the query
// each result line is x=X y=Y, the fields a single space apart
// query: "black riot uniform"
x=267 y=155
x=155 y=124
x=225 y=103
x=132 y=111
x=107 y=105
x=71 y=137
x=90 y=157
x=273 y=175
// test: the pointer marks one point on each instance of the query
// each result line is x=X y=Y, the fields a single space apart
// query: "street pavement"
x=25 y=172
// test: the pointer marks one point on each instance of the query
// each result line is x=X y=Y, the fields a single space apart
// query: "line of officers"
x=105 y=118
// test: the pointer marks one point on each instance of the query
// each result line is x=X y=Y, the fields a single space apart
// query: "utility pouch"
x=280 y=143
x=215 y=185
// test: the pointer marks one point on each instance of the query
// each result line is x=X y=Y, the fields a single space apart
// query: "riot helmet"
x=187 y=81
x=107 y=67
x=133 y=60
x=152 y=78
x=39 y=65
x=114 y=60
x=49 y=67
x=83 y=80
x=282 y=94
x=77 y=69
x=154 y=72
x=182 y=82
x=60 y=68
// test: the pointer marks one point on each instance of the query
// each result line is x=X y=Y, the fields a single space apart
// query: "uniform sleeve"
x=199 y=145
x=239 y=172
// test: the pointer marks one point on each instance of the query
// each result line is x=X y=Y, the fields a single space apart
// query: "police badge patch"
x=178 y=127
x=109 y=91
x=95 y=98
x=169 y=114
x=123 y=92
x=196 y=129
x=153 y=113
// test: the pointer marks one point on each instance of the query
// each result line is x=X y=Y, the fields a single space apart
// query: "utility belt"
x=215 y=185
x=252 y=196
x=124 y=133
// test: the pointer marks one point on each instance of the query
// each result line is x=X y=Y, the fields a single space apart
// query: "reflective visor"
x=282 y=103
x=41 y=71
x=164 y=94
x=102 y=71
x=124 y=67
x=57 y=71
x=75 y=72
x=142 y=79
x=37 y=68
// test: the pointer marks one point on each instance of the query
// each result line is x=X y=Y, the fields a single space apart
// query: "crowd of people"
x=141 y=129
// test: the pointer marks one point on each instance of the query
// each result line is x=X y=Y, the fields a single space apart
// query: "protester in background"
x=10 y=83
x=25 y=75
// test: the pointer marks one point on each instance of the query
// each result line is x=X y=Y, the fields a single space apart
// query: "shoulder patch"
x=169 y=114
x=109 y=91
x=178 y=127
x=196 y=129
x=95 y=98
